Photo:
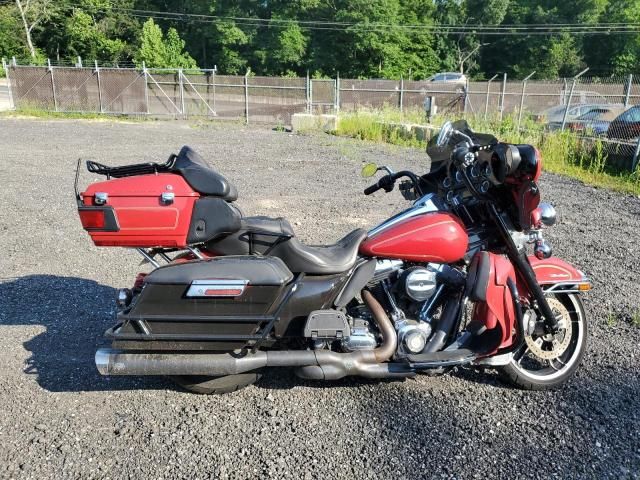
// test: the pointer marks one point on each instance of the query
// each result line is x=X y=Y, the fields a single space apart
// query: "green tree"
x=11 y=43
x=174 y=51
x=152 y=49
x=159 y=52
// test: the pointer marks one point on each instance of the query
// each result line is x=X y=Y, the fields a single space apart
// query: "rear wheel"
x=546 y=361
x=216 y=385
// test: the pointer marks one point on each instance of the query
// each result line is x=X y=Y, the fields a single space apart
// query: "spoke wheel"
x=547 y=361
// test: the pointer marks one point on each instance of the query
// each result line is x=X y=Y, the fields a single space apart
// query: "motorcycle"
x=447 y=282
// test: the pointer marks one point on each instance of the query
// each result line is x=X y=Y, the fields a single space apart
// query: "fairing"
x=498 y=311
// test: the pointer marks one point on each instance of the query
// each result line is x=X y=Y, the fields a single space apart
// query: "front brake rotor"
x=550 y=346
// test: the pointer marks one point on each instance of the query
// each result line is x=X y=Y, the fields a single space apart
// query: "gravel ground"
x=61 y=419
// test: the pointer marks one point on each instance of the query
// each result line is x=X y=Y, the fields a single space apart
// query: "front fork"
x=523 y=267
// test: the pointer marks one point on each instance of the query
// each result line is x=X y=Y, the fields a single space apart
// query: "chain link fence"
x=601 y=111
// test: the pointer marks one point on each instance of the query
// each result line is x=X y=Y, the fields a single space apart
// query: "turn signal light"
x=92 y=219
x=583 y=287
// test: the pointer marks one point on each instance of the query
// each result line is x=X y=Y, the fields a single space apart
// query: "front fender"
x=555 y=270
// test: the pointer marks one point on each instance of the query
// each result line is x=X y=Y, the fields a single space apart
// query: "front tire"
x=216 y=385
x=534 y=366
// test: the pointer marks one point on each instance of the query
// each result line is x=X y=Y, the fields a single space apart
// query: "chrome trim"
x=427 y=204
x=148 y=257
x=167 y=198
x=101 y=198
x=198 y=288
x=548 y=215
x=196 y=252
x=496 y=360
x=571 y=286
x=386 y=265
x=102 y=361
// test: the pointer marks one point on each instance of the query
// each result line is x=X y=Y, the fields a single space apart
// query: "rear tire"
x=205 y=385
x=553 y=373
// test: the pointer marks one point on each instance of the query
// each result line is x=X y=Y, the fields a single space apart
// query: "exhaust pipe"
x=312 y=364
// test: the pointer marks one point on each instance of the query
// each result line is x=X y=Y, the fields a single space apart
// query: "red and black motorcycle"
x=447 y=282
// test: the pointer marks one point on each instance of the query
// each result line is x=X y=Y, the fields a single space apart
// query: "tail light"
x=98 y=219
x=92 y=219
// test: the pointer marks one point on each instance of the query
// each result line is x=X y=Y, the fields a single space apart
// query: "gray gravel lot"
x=61 y=419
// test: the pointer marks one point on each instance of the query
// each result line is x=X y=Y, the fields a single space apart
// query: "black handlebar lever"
x=388 y=182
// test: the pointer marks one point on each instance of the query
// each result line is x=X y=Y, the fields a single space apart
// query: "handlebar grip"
x=372 y=189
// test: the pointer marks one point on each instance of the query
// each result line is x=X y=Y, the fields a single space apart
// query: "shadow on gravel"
x=74 y=313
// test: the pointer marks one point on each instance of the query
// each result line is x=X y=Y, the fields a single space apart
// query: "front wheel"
x=545 y=361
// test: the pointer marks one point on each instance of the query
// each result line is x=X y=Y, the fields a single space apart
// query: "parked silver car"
x=553 y=116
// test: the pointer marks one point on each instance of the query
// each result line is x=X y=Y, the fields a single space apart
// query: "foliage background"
x=295 y=40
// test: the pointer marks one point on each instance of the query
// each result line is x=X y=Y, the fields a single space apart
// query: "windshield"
x=438 y=155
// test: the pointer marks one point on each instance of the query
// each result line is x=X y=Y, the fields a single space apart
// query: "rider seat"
x=275 y=237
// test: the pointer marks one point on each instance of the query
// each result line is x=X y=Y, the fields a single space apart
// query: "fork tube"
x=521 y=262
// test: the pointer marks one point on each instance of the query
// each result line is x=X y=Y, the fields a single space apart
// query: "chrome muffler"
x=310 y=364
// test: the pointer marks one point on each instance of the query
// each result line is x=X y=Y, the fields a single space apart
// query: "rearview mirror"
x=445 y=134
x=369 y=170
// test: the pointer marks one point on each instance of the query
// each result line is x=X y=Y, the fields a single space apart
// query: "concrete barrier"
x=5 y=101
x=307 y=121
x=410 y=131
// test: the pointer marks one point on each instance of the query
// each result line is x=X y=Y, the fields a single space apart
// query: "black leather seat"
x=275 y=237
x=320 y=260
x=201 y=177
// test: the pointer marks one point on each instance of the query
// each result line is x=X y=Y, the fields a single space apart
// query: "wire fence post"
x=246 y=97
x=181 y=84
x=215 y=70
x=573 y=87
x=97 y=71
x=400 y=96
x=486 y=102
x=627 y=94
x=307 y=93
x=53 y=86
x=310 y=95
x=636 y=156
x=524 y=88
x=568 y=105
x=338 y=97
x=504 y=91
x=146 y=86
x=79 y=62
x=12 y=105
x=465 y=100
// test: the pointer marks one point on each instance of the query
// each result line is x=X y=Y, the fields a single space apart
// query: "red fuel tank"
x=433 y=237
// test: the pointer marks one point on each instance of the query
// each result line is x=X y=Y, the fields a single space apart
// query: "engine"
x=409 y=291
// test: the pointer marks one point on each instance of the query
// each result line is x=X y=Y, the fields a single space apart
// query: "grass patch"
x=36 y=113
x=563 y=152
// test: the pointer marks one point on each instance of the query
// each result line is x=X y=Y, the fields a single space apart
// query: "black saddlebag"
x=223 y=303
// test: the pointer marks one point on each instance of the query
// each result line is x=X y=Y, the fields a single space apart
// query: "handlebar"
x=388 y=182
